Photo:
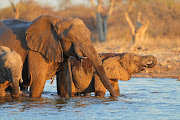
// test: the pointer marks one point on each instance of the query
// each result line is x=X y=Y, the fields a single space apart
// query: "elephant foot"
x=2 y=97
x=2 y=93
x=87 y=94
x=23 y=93
x=117 y=92
x=99 y=93
x=84 y=94
x=75 y=94
x=24 y=90
x=15 y=97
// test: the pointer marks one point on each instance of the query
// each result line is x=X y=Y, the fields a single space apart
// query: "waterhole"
x=141 y=98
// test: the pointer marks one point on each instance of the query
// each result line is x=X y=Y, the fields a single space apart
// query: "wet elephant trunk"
x=90 y=52
x=15 y=86
x=64 y=79
x=149 y=61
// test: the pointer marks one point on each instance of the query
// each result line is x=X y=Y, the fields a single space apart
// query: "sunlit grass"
x=121 y=45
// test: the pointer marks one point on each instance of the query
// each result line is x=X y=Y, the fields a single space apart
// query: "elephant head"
x=55 y=38
x=121 y=66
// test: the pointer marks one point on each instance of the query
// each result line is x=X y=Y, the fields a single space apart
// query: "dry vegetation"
x=163 y=32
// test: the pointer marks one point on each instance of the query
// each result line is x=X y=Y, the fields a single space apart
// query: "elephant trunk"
x=90 y=52
x=149 y=61
x=15 y=86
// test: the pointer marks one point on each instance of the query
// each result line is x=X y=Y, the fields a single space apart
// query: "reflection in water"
x=141 y=98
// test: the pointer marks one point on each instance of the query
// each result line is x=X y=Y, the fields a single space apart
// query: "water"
x=141 y=99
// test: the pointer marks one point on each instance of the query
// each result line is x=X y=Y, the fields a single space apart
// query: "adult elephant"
x=46 y=42
x=117 y=67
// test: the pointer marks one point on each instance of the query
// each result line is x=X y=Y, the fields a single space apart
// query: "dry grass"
x=121 y=45
x=160 y=42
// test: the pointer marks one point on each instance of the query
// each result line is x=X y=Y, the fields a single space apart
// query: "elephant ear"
x=114 y=70
x=41 y=36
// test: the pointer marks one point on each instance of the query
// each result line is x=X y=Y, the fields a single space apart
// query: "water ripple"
x=141 y=98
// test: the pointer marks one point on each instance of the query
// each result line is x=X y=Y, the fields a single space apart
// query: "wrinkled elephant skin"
x=44 y=46
x=117 y=67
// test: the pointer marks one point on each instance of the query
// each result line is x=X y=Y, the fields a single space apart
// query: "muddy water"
x=141 y=98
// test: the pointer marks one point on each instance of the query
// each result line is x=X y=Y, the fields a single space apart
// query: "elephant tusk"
x=150 y=62
x=52 y=80
x=81 y=64
x=147 y=64
x=81 y=67
x=79 y=58
x=21 y=80
x=82 y=57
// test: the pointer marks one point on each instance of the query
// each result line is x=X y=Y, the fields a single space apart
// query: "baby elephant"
x=117 y=66
x=10 y=71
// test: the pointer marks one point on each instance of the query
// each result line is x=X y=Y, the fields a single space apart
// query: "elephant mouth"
x=148 y=64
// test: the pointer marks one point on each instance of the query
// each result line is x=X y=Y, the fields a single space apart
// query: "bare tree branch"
x=139 y=19
x=141 y=31
x=19 y=4
x=99 y=7
x=130 y=5
x=12 y=4
x=111 y=7
x=130 y=23
x=16 y=8
x=92 y=1
x=137 y=32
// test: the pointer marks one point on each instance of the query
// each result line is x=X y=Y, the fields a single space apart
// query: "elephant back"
x=106 y=55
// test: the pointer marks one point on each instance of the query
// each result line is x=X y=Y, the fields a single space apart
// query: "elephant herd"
x=33 y=52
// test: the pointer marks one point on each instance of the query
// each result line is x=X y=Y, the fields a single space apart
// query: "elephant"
x=117 y=66
x=45 y=45
x=10 y=71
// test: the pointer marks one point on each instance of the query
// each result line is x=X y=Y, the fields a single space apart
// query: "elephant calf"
x=10 y=71
x=117 y=66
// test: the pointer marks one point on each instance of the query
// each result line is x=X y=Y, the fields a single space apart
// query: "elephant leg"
x=58 y=81
x=115 y=85
x=3 y=87
x=73 y=88
x=2 y=91
x=37 y=83
x=37 y=87
x=64 y=79
x=37 y=73
x=100 y=90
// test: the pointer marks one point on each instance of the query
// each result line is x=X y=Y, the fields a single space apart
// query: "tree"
x=138 y=31
x=102 y=18
x=16 y=8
